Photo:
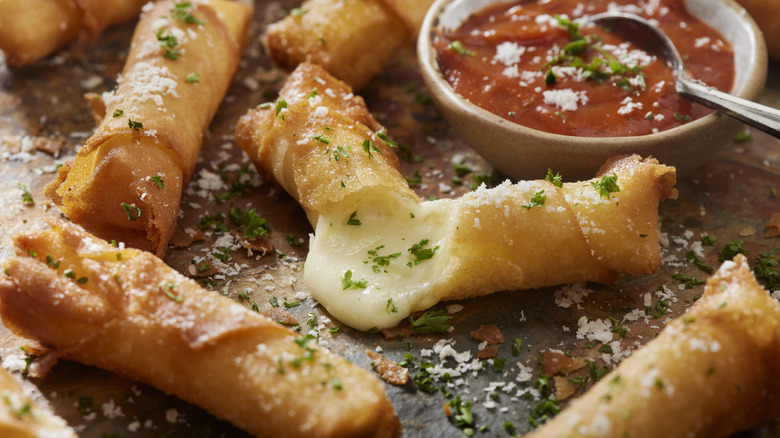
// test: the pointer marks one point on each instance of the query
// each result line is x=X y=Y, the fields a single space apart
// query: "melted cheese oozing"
x=387 y=281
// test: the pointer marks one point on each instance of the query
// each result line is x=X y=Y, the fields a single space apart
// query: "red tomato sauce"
x=510 y=60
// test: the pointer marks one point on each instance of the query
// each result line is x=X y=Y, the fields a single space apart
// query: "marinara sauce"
x=537 y=63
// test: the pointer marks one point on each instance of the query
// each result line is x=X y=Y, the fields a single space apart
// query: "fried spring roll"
x=22 y=417
x=32 y=29
x=352 y=39
x=125 y=183
x=101 y=305
x=710 y=373
x=379 y=253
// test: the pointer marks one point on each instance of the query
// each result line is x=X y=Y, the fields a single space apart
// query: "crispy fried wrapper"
x=374 y=235
x=352 y=39
x=710 y=373
x=126 y=182
x=22 y=417
x=101 y=305
x=33 y=29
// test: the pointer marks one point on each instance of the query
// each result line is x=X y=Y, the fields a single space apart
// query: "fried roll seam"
x=101 y=305
x=710 y=373
x=125 y=184
x=33 y=29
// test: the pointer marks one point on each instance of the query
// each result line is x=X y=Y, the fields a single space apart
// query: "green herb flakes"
x=348 y=283
x=133 y=212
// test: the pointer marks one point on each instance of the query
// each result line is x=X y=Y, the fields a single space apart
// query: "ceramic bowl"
x=524 y=153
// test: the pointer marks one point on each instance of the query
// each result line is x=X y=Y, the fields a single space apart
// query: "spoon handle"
x=756 y=115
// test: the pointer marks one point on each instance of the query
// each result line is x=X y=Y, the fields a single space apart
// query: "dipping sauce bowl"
x=526 y=153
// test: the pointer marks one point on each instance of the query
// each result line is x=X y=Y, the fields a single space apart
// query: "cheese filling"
x=374 y=262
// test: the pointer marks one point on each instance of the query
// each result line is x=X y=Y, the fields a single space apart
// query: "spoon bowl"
x=654 y=40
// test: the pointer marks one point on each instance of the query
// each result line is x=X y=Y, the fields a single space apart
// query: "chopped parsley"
x=432 y=321
x=348 y=283
x=169 y=43
x=458 y=48
x=516 y=346
x=556 y=179
x=294 y=241
x=281 y=105
x=380 y=260
x=708 y=240
x=133 y=212
x=682 y=117
x=181 y=12
x=421 y=253
x=167 y=288
x=352 y=220
x=537 y=200
x=416 y=180
x=731 y=249
x=390 y=308
x=699 y=263
x=606 y=185
x=547 y=407
x=157 y=180
x=383 y=136
x=27 y=198
x=253 y=225
x=340 y=153
x=215 y=222
x=766 y=270
x=322 y=139
x=118 y=113
x=192 y=78
x=742 y=137
x=659 y=310
x=135 y=125
x=462 y=415
x=618 y=328
x=369 y=145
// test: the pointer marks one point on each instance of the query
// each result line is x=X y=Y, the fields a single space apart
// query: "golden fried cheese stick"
x=101 y=305
x=710 y=373
x=126 y=182
x=352 y=39
x=22 y=417
x=379 y=253
x=32 y=29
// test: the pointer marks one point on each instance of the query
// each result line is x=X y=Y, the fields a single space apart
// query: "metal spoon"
x=635 y=28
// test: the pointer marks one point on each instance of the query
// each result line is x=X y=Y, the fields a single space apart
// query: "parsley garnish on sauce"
x=118 y=112
x=458 y=47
